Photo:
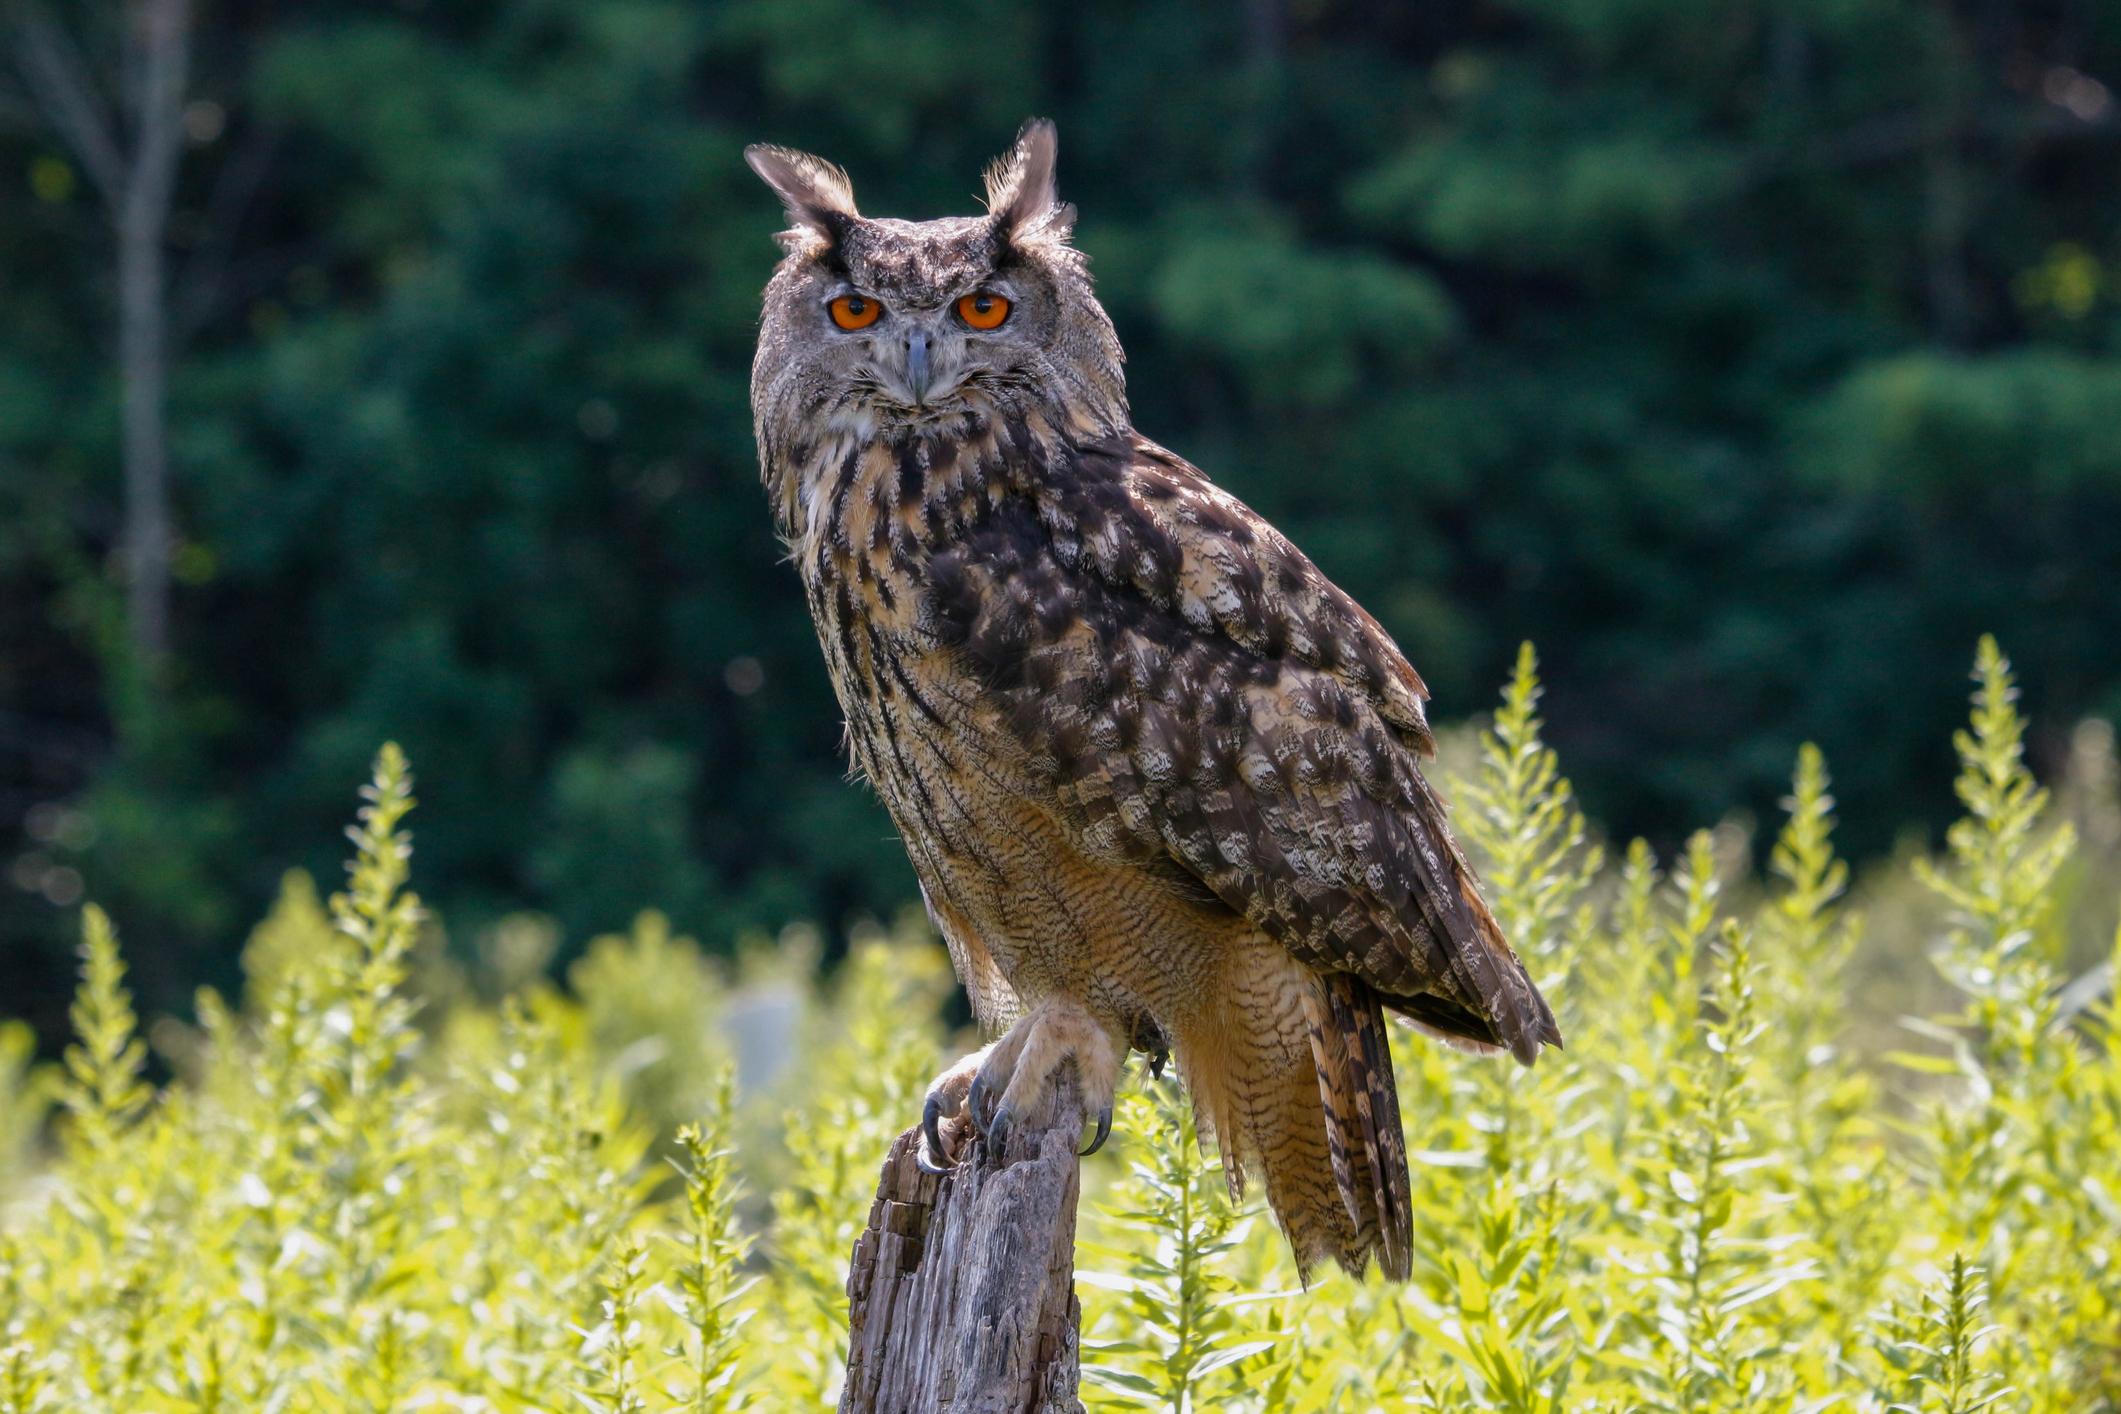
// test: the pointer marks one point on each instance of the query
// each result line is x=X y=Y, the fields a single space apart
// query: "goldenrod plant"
x=374 y=1184
x=1178 y=1312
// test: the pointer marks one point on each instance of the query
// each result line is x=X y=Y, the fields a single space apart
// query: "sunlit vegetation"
x=380 y=1180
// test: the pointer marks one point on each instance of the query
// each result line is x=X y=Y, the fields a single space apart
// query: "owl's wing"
x=1208 y=703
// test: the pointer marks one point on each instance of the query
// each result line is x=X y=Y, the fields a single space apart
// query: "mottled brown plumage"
x=1158 y=776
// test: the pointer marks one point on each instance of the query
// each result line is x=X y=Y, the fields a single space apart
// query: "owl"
x=1159 y=778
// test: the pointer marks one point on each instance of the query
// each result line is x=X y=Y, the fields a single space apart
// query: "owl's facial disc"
x=876 y=324
x=925 y=353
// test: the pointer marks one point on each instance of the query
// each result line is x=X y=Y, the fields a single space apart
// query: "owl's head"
x=873 y=324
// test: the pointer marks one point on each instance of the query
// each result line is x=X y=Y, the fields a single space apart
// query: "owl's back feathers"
x=1203 y=699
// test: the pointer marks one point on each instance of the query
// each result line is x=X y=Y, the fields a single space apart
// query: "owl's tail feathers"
x=1295 y=1083
x=1353 y=1060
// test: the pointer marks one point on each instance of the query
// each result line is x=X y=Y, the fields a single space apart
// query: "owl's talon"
x=998 y=1129
x=932 y=1131
x=1104 y=1131
x=945 y=1121
x=976 y=1103
x=926 y=1164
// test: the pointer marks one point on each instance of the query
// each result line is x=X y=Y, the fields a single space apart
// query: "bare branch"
x=162 y=30
x=58 y=80
x=157 y=56
x=137 y=177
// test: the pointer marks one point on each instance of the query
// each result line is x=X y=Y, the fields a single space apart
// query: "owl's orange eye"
x=854 y=311
x=983 y=309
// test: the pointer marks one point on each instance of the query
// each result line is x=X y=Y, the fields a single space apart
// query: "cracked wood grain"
x=961 y=1292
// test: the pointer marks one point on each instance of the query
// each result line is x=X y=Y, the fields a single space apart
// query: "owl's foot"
x=1015 y=1081
x=946 y=1128
x=1010 y=1082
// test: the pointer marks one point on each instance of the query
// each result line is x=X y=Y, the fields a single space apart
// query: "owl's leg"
x=1017 y=1074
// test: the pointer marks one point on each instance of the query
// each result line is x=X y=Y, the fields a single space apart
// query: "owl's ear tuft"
x=1020 y=190
x=819 y=198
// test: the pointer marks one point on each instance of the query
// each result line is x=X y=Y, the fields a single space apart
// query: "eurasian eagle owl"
x=1160 y=779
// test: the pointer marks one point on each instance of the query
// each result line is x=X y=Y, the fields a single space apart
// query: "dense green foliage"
x=1751 y=357
x=1716 y=1199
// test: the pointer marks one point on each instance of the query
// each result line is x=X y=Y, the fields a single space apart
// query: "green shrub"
x=1721 y=1196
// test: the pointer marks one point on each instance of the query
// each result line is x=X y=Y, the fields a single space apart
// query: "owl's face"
x=912 y=317
x=878 y=324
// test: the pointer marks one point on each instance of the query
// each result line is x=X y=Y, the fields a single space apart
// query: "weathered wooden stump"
x=961 y=1290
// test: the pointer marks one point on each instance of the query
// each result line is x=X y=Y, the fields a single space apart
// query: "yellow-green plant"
x=651 y=1003
x=1179 y=1315
x=24 y=1098
x=709 y=1258
x=332 y=1214
x=1724 y=1195
x=1930 y=1352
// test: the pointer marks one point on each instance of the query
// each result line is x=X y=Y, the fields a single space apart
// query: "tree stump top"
x=961 y=1291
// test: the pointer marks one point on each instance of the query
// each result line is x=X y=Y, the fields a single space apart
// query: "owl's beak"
x=918 y=373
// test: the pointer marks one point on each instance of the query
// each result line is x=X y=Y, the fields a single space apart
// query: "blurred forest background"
x=379 y=370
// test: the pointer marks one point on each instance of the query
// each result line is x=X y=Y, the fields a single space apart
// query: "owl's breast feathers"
x=1190 y=693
